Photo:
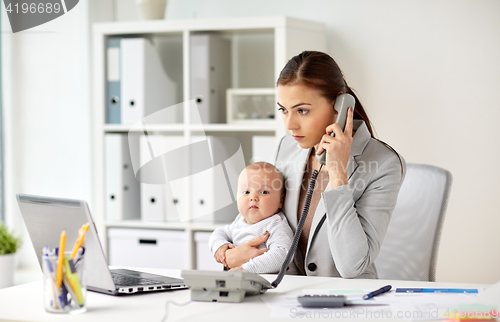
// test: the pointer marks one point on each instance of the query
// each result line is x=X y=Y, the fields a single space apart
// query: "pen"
x=50 y=273
x=60 y=259
x=384 y=289
x=79 y=240
x=58 y=297
x=79 y=256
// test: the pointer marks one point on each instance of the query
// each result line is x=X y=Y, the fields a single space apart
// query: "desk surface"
x=25 y=302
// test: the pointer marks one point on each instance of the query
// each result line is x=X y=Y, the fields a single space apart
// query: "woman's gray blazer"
x=350 y=221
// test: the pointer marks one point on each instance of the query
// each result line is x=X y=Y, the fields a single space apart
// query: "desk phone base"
x=214 y=286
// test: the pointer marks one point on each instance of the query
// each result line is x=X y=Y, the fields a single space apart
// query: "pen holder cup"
x=71 y=296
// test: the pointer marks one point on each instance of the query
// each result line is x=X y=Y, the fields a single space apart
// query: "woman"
x=356 y=190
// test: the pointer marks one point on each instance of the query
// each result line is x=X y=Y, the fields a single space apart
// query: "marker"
x=72 y=280
x=382 y=290
x=79 y=240
x=60 y=259
x=436 y=290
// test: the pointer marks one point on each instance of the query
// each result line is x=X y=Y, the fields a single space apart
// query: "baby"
x=260 y=198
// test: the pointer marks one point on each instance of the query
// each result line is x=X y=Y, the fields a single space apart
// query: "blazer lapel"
x=359 y=142
x=352 y=165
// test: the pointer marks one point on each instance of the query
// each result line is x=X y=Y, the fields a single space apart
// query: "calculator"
x=322 y=301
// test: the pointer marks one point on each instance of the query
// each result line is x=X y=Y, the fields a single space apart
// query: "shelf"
x=245 y=24
x=262 y=127
x=194 y=226
x=153 y=127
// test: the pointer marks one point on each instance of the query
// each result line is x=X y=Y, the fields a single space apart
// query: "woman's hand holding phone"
x=243 y=253
x=338 y=151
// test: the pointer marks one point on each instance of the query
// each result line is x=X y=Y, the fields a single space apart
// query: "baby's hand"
x=237 y=268
x=220 y=254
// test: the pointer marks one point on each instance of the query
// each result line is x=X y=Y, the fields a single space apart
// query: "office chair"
x=410 y=247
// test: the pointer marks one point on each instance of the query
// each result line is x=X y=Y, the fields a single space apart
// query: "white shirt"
x=240 y=232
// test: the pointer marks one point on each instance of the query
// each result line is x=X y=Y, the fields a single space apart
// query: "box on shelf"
x=150 y=248
x=250 y=105
x=204 y=258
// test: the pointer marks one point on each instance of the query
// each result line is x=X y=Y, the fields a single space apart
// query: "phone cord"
x=298 y=232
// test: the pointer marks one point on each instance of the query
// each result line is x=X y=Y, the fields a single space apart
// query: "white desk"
x=25 y=302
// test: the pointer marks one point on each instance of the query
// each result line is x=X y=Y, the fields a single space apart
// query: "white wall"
x=426 y=71
x=428 y=75
x=46 y=75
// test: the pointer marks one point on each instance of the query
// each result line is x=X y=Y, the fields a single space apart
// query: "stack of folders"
x=126 y=198
x=136 y=82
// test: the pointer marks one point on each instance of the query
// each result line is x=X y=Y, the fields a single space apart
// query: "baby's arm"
x=219 y=242
x=279 y=242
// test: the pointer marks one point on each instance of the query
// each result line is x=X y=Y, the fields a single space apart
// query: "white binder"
x=212 y=194
x=152 y=198
x=122 y=189
x=210 y=75
x=145 y=87
x=113 y=81
x=165 y=208
x=202 y=188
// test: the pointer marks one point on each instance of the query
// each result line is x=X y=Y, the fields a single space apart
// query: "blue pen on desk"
x=382 y=290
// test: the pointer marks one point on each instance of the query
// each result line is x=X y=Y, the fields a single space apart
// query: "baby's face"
x=259 y=193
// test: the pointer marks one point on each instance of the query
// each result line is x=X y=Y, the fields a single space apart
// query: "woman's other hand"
x=240 y=255
x=220 y=254
x=338 y=150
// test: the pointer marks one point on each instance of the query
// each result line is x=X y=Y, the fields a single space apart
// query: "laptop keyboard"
x=125 y=280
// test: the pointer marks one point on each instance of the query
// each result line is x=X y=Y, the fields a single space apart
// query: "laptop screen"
x=46 y=217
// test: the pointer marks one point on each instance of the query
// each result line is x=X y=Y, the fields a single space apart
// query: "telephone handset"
x=342 y=104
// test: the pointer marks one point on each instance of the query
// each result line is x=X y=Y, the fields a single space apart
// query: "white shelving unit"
x=260 y=47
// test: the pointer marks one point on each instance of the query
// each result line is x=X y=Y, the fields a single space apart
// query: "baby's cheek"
x=241 y=206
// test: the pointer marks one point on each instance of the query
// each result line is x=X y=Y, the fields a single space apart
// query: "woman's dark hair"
x=319 y=71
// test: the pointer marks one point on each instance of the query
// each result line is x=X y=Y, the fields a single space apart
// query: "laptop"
x=46 y=217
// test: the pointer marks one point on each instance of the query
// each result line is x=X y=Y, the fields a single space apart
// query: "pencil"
x=79 y=240
x=60 y=259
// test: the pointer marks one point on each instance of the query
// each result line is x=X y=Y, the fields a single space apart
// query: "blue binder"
x=113 y=81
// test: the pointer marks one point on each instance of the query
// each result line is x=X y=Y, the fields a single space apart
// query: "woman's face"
x=306 y=113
